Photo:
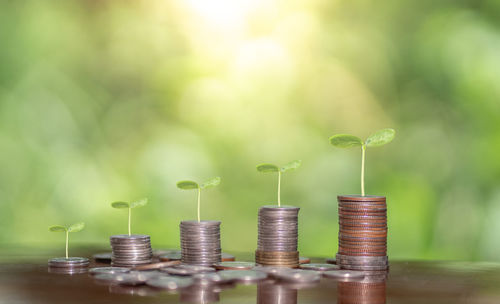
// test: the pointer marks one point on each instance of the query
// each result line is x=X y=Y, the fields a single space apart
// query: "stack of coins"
x=200 y=242
x=278 y=234
x=68 y=265
x=130 y=250
x=362 y=233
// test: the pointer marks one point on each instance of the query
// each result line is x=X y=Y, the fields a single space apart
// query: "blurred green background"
x=117 y=100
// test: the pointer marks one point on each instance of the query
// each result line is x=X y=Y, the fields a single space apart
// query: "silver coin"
x=319 y=267
x=187 y=270
x=243 y=276
x=343 y=274
x=70 y=260
x=235 y=265
x=131 y=278
x=209 y=278
x=170 y=283
x=109 y=270
x=299 y=276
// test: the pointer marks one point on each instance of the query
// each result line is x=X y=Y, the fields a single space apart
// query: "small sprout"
x=190 y=185
x=377 y=139
x=270 y=168
x=73 y=228
x=130 y=206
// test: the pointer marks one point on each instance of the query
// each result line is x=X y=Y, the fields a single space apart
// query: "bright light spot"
x=223 y=12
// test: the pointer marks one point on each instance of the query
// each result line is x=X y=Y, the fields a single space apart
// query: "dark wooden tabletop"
x=26 y=279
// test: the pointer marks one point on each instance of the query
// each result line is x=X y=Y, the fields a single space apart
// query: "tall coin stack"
x=200 y=242
x=362 y=233
x=278 y=234
x=130 y=250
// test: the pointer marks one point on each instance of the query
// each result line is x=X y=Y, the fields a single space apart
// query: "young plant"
x=377 y=139
x=130 y=206
x=190 y=185
x=73 y=228
x=270 y=168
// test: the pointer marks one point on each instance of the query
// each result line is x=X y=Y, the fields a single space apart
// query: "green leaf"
x=267 y=168
x=291 y=166
x=120 y=205
x=139 y=203
x=345 y=141
x=380 y=138
x=211 y=183
x=76 y=227
x=57 y=228
x=187 y=185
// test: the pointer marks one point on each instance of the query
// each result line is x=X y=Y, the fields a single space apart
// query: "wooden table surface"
x=25 y=279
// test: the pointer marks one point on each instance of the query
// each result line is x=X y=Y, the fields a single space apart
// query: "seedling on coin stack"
x=130 y=250
x=200 y=240
x=67 y=264
x=363 y=218
x=278 y=226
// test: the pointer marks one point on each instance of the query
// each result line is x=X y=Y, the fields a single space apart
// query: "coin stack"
x=130 y=250
x=68 y=265
x=200 y=242
x=362 y=233
x=278 y=234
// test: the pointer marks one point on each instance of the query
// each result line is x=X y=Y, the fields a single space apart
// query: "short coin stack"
x=200 y=242
x=278 y=234
x=130 y=250
x=68 y=265
x=362 y=233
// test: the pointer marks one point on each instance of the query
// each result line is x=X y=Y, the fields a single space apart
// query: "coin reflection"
x=370 y=290
x=271 y=293
x=199 y=294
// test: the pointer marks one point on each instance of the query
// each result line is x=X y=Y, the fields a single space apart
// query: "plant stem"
x=199 y=195
x=363 y=149
x=279 y=189
x=67 y=238
x=129 y=219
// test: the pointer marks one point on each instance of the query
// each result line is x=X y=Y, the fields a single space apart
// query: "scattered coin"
x=104 y=257
x=319 y=267
x=226 y=257
x=234 y=265
x=243 y=276
x=343 y=274
x=299 y=276
x=109 y=270
x=187 y=270
x=304 y=260
x=171 y=256
x=170 y=283
x=157 y=265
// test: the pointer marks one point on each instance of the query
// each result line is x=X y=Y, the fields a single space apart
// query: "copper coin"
x=304 y=260
x=226 y=257
x=156 y=265
x=365 y=198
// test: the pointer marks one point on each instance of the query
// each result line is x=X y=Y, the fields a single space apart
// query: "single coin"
x=331 y=261
x=304 y=260
x=234 y=265
x=157 y=265
x=109 y=270
x=226 y=257
x=187 y=270
x=243 y=276
x=298 y=275
x=319 y=267
x=169 y=283
x=343 y=274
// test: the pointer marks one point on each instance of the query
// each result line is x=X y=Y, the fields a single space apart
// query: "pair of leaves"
x=377 y=139
x=189 y=185
x=268 y=168
x=136 y=204
x=72 y=228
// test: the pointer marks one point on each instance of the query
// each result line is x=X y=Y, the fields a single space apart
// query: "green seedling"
x=130 y=206
x=73 y=228
x=270 y=168
x=190 y=185
x=377 y=139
